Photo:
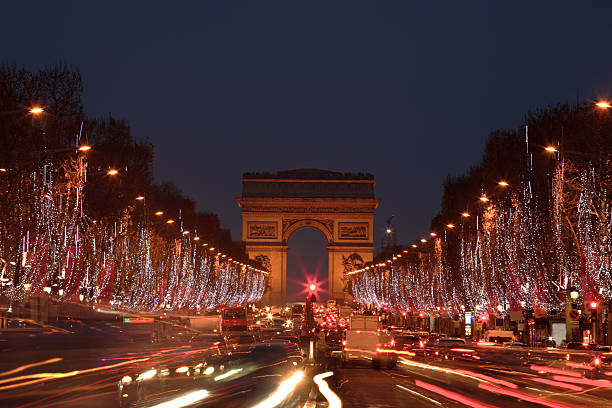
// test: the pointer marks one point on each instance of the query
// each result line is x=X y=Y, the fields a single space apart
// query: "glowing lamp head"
x=36 y=110
x=484 y=199
x=593 y=305
x=140 y=198
x=170 y=222
x=451 y=226
x=465 y=214
x=389 y=230
x=112 y=172
x=433 y=234
x=414 y=245
x=312 y=287
x=84 y=148
x=603 y=105
x=503 y=183
x=158 y=213
x=551 y=149
x=574 y=294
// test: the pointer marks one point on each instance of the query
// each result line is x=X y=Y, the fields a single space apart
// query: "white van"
x=372 y=346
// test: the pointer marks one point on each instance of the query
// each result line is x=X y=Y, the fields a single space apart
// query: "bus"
x=233 y=319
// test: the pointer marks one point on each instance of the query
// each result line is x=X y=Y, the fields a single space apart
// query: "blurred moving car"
x=406 y=341
x=292 y=339
x=241 y=339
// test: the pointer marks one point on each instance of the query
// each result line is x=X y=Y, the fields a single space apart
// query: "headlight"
x=126 y=380
x=209 y=370
x=146 y=375
x=182 y=369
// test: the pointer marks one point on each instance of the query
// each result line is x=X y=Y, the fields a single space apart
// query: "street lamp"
x=112 y=172
x=433 y=234
x=423 y=240
x=36 y=110
x=159 y=213
x=603 y=105
x=551 y=149
x=484 y=199
x=503 y=183
x=140 y=198
x=465 y=214
x=84 y=148
x=170 y=222
x=312 y=287
x=451 y=226
x=574 y=294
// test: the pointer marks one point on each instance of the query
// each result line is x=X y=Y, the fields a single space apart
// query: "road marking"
x=433 y=401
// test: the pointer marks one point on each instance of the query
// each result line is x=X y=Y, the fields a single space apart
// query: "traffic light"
x=593 y=311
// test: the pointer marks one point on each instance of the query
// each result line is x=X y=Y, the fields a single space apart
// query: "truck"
x=364 y=341
x=362 y=322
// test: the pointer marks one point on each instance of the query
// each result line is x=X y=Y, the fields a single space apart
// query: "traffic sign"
x=574 y=314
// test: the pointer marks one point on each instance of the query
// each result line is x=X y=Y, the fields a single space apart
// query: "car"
x=406 y=341
x=449 y=342
x=241 y=339
x=292 y=339
x=514 y=344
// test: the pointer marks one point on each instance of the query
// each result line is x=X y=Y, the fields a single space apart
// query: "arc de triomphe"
x=339 y=205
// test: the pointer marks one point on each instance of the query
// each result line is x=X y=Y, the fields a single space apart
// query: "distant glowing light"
x=414 y=245
x=603 y=105
x=503 y=183
x=84 y=148
x=423 y=240
x=451 y=226
x=159 y=213
x=551 y=149
x=140 y=198
x=484 y=199
x=312 y=287
x=389 y=230
x=112 y=172
x=170 y=222
x=36 y=110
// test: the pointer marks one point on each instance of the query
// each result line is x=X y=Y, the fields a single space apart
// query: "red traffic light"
x=593 y=305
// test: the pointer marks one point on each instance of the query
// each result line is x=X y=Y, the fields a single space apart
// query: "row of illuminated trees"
x=82 y=220
x=529 y=225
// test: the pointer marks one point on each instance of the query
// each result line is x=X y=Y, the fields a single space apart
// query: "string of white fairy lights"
x=510 y=256
x=128 y=264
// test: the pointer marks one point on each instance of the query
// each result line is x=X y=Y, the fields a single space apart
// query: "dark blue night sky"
x=405 y=90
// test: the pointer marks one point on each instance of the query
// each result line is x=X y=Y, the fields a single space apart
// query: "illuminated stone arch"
x=340 y=206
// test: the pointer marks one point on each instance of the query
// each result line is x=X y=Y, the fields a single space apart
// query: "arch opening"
x=307 y=263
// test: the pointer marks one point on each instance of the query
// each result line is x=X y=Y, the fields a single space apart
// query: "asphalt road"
x=62 y=375
x=455 y=383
